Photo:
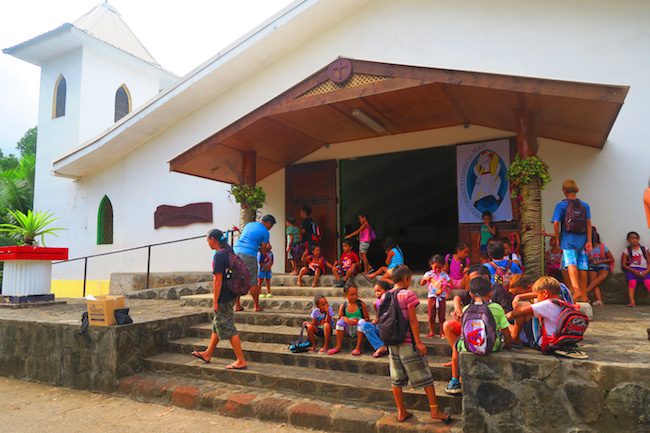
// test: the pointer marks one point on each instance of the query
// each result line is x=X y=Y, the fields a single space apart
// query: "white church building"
x=346 y=106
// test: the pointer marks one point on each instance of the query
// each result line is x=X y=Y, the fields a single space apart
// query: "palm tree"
x=17 y=186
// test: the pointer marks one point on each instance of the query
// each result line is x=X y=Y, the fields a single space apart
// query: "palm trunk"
x=532 y=238
x=246 y=216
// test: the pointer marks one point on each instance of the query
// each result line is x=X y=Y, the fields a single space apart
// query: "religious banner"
x=482 y=183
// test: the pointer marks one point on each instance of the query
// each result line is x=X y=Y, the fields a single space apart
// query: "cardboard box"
x=101 y=312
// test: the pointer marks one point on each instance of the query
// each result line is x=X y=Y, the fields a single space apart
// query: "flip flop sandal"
x=234 y=367
x=196 y=355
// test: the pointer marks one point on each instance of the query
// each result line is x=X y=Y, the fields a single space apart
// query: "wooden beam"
x=525 y=129
x=248 y=168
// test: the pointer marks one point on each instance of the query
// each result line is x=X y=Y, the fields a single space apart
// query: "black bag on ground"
x=301 y=344
x=122 y=316
x=391 y=323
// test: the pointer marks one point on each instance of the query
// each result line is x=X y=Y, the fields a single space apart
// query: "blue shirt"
x=252 y=237
x=221 y=262
x=514 y=268
x=397 y=259
x=570 y=241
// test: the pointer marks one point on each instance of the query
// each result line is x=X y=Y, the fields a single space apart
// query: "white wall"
x=595 y=41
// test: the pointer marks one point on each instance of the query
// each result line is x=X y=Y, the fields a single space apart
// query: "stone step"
x=281 y=334
x=330 y=292
x=291 y=303
x=291 y=319
x=334 y=386
x=273 y=406
x=279 y=354
x=172 y=292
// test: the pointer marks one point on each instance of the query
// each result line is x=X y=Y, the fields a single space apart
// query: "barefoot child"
x=264 y=265
x=322 y=323
x=369 y=329
x=347 y=266
x=634 y=262
x=407 y=361
x=366 y=236
x=457 y=266
x=439 y=286
x=394 y=258
x=315 y=264
x=350 y=313
x=293 y=244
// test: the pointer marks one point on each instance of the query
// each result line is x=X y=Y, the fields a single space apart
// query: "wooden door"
x=314 y=184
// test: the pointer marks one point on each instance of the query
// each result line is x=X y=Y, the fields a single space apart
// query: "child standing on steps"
x=634 y=262
x=366 y=236
x=439 y=286
x=350 y=313
x=600 y=266
x=407 y=361
x=322 y=323
x=264 y=265
x=369 y=329
x=488 y=231
x=293 y=245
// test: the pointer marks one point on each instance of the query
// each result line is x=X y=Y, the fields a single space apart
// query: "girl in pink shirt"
x=457 y=266
x=366 y=236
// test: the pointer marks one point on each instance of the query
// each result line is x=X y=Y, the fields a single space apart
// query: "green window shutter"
x=105 y=222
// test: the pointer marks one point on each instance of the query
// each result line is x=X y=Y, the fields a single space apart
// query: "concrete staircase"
x=331 y=383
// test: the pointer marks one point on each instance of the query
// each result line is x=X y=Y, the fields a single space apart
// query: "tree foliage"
x=27 y=144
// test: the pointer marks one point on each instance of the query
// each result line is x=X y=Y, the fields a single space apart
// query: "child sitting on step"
x=408 y=361
x=482 y=325
x=457 y=266
x=369 y=329
x=322 y=323
x=394 y=258
x=347 y=266
x=439 y=287
x=548 y=308
x=264 y=265
x=350 y=312
x=315 y=265
x=634 y=261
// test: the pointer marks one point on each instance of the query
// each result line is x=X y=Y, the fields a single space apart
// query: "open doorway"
x=409 y=196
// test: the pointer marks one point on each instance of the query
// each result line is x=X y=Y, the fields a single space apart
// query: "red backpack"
x=237 y=275
x=570 y=327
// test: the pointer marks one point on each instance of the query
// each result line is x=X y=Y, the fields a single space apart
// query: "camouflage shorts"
x=223 y=322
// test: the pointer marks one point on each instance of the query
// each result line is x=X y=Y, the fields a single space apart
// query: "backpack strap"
x=508 y=265
x=345 y=308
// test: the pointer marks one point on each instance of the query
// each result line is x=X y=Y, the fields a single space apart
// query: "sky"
x=179 y=34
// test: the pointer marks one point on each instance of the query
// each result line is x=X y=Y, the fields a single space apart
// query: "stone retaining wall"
x=525 y=393
x=56 y=354
x=129 y=282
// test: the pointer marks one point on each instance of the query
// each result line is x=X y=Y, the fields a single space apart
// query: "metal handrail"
x=229 y=234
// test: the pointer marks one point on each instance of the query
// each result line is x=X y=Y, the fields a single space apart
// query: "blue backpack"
x=479 y=329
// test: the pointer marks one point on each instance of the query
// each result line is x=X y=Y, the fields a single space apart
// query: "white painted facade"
x=598 y=41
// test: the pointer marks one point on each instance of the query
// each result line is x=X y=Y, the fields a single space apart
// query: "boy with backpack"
x=572 y=224
x=562 y=323
x=399 y=330
x=483 y=325
x=501 y=269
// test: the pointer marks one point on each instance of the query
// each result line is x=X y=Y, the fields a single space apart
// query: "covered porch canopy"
x=352 y=99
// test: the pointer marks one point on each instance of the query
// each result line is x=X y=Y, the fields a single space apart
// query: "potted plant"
x=28 y=267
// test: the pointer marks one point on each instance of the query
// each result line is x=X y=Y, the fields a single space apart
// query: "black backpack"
x=575 y=217
x=391 y=324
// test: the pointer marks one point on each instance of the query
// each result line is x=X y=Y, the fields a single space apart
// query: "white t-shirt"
x=637 y=260
x=513 y=257
x=549 y=313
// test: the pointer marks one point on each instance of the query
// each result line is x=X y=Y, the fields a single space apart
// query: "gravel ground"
x=31 y=407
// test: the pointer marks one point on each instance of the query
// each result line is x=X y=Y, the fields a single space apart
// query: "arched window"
x=122 y=102
x=60 y=90
x=105 y=222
